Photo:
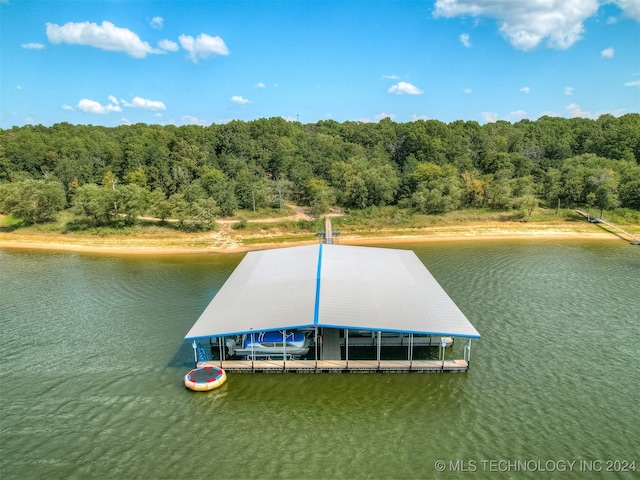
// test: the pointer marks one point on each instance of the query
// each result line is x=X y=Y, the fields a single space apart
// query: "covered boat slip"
x=344 y=297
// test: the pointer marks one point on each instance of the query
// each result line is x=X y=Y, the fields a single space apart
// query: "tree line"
x=195 y=173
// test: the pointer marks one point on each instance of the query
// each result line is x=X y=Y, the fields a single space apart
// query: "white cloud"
x=576 y=111
x=635 y=83
x=239 y=100
x=390 y=77
x=204 y=46
x=157 y=23
x=66 y=107
x=525 y=90
x=191 y=120
x=631 y=8
x=106 y=37
x=517 y=115
x=33 y=46
x=526 y=23
x=467 y=90
x=168 y=45
x=145 y=104
x=464 y=39
x=91 y=106
x=260 y=85
x=490 y=117
x=405 y=88
x=568 y=90
x=113 y=99
x=383 y=115
x=125 y=121
x=607 y=52
x=415 y=118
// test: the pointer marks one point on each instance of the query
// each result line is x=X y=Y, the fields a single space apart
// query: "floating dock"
x=338 y=366
x=331 y=355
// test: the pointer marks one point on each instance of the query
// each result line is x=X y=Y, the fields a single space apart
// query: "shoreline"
x=221 y=241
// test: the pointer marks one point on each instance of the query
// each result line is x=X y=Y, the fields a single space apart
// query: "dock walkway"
x=615 y=229
x=327 y=366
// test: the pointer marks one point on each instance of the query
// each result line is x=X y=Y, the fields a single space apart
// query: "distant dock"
x=610 y=226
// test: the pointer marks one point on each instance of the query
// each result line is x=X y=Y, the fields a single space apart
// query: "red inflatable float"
x=205 y=378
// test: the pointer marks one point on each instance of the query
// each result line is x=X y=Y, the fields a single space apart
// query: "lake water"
x=92 y=363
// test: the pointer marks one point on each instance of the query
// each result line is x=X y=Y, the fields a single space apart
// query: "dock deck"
x=327 y=366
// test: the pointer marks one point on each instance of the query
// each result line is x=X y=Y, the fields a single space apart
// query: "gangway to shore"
x=615 y=229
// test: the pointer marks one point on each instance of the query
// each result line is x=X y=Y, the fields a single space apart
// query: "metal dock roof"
x=332 y=286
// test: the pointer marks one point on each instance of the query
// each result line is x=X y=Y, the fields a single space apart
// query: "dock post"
x=346 y=348
x=284 y=350
x=253 y=353
x=467 y=352
x=195 y=354
x=410 y=351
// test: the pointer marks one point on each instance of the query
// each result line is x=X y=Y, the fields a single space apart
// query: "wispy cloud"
x=490 y=117
x=517 y=115
x=191 y=120
x=568 y=91
x=404 y=88
x=105 y=37
x=525 y=90
x=390 y=77
x=260 y=85
x=576 y=111
x=145 y=104
x=240 y=100
x=465 y=40
x=467 y=90
x=168 y=45
x=33 y=46
x=157 y=23
x=635 y=83
x=607 y=52
x=203 y=46
x=383 y=115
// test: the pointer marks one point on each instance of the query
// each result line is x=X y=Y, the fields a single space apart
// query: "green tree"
x=133 y=201
x=605 y=187
x=33 y=201
x=94 y=203
x=320 y=197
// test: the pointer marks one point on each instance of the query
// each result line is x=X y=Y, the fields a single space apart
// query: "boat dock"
x=612 y=227
x=338 y=366
x=331 y=355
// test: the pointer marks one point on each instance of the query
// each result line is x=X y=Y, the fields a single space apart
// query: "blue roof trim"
x=349 y=327
x=248 y=332
x=316 y=309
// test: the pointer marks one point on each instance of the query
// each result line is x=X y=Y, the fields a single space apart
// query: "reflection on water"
x=93 y=360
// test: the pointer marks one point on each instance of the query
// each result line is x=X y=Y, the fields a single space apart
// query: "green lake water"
x=92 y=363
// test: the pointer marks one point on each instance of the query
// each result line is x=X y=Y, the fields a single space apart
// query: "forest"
x=195 y=174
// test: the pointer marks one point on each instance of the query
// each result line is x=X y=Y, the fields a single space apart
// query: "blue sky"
x=201 y=62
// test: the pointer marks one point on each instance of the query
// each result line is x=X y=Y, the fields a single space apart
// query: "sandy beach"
x=227 y=240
